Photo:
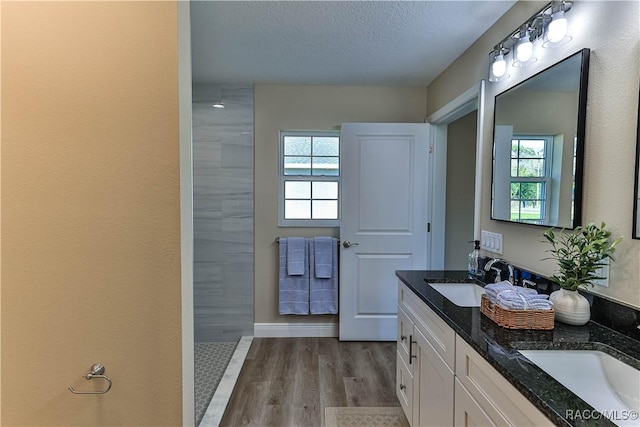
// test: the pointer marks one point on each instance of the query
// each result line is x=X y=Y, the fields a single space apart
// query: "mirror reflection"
x=538 y=146
x=636 y=201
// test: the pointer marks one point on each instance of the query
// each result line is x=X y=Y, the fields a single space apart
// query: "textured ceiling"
x=406 y=43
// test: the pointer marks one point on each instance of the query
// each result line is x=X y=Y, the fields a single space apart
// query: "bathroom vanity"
x=456 y=367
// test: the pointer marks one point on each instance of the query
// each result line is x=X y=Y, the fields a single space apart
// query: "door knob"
x=348 y=244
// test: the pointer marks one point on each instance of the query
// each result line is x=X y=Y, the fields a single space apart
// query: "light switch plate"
x=603 y=272
x=491 y=242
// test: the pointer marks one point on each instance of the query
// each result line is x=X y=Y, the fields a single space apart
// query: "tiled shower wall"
x=223 y=212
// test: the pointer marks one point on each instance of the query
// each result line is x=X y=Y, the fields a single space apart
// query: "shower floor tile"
x=211 y=360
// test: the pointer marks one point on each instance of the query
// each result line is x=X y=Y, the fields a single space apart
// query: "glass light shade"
x=557 y=33
x=557 y=27
x=524 y=49
x=499 y=66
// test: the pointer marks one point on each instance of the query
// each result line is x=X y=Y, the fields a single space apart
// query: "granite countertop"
x=499 y=347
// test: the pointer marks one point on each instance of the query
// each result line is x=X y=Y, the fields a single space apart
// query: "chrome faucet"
x=489 y=266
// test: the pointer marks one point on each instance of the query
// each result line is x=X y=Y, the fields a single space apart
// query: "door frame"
x=186 y=211
x=470 y=100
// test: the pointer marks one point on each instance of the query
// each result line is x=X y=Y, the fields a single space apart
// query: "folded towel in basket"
x=515 y=300
x=493 y=289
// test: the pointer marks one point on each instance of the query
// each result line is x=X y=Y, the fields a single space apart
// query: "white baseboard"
x=291 y=330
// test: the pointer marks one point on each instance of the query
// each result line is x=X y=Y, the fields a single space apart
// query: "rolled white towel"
x=492 y=290
x=514 y=300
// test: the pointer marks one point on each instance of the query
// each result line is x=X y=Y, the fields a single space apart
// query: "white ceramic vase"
x=570 y=307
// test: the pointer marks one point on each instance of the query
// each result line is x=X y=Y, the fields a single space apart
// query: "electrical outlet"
x=491 y=242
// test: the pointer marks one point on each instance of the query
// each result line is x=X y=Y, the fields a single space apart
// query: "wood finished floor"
x=287 y=382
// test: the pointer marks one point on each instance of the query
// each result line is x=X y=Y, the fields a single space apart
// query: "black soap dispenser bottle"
x=474 y=256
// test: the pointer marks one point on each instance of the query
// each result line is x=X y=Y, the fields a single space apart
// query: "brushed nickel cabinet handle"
x=411 y=342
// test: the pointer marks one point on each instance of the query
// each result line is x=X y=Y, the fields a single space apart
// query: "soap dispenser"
x=474 y=259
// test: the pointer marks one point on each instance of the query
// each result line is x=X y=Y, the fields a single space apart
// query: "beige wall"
x=281 y=107
x=612 y=31
x=90 y=212
x=461 y=178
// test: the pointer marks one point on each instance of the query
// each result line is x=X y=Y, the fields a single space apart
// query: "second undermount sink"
x=461 y=294
x=604 y=382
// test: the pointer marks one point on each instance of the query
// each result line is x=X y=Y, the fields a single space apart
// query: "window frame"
x=545 y=180
x=282 y=178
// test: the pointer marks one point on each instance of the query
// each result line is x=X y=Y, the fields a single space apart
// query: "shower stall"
x=223 y=230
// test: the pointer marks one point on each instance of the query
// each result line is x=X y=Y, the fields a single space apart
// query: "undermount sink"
x=461 y=294
x=604 y=382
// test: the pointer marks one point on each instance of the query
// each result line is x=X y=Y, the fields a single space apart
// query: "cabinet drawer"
x=502 y=402
x=404 y=387
x=405 y=329
x=437 y=332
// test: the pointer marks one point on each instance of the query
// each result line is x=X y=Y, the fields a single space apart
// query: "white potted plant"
x=580 y=255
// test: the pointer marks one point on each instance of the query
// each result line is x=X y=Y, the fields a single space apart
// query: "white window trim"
x=282 y=222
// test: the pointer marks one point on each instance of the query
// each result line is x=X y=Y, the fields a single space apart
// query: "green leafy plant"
x=580 y=254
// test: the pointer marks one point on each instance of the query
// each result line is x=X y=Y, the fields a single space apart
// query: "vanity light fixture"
x=549 y=24
x=498 y=67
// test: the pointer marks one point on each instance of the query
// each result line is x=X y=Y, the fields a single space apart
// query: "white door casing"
x=384 y=215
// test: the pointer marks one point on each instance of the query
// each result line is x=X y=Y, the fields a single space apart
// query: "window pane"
x=326 y=166
x=532 y=190
x=297 y=165
x=532 y=148
x=297 y=209
x=325 y=190
x=297 y=145
x=515 y=210
x=297 y=190
x=514 y=148
x=515 y=190
x=531 y=167
x=325 y=209
x=326 y=146
x=514 y=167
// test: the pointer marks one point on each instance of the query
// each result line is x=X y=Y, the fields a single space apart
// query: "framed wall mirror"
x=635 y=233
x=538 y=146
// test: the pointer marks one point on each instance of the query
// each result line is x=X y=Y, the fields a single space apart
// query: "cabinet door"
x=433 y=385
x=467 y=411
x=404 y=387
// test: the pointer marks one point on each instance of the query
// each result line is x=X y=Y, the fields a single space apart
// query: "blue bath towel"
x=323 y=292
x=293 y=295
x=296 y=256
x=324 y=256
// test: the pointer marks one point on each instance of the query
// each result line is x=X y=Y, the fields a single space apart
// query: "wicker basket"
x=517 y=319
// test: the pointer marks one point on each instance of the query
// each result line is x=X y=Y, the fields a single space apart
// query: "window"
x=309 y=178
x=530 y=177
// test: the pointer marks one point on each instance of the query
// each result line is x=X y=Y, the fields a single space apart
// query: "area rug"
x=365 y=417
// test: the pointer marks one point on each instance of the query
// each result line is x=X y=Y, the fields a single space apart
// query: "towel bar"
x=277 y=240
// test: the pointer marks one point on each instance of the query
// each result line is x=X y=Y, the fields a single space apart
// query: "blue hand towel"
x=323 y=292
x=296 y=256
x=293 y=295
x=323 y=254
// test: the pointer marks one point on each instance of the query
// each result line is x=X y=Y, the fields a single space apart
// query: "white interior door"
x=384 y=218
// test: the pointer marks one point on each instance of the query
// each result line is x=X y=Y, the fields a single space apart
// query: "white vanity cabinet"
x=425 y=362
x=442 y=381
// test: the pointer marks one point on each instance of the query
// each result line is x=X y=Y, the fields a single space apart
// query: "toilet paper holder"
x=97 y=371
